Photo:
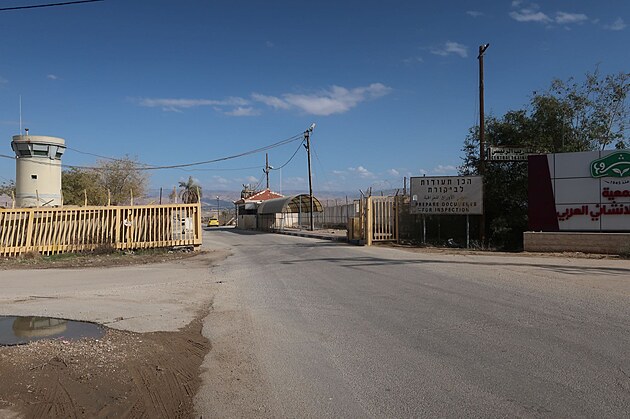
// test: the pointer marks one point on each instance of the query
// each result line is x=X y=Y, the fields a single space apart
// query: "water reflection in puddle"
x=17 y=330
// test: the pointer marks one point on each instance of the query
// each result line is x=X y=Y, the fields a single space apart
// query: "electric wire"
x=224 y=170
x=35 y=6
x=152 y=165
x=289 y=161
x=65 y=166
x=246 y=153
x=176 y=166
x=259 y=183
x=104 y=157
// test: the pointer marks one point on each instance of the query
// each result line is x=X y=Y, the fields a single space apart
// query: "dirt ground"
x=123 y=374
x=97 y=259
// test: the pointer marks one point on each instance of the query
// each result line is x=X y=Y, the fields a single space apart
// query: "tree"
x=190 y=191
x=77 y=184
x=596 y=110
x=567 y=117
x=173 y=196
x=122 y=177
x=6 y=188
x=505 y=183
x=117 y=178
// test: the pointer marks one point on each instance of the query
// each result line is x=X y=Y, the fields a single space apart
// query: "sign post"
x=447 y=195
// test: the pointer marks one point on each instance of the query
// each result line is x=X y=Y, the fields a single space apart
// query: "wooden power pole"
x=307 y=138
x=267 y=168
x=482 y=135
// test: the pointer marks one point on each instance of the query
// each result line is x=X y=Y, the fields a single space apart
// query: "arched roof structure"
x=296 y=203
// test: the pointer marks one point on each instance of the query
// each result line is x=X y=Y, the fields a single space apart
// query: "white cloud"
x=423 y=172
x=338 y=172
x=617 y=25
x=271 y=101
x=335 y=100
x=361 y=171
x=382 y=184
x=269 y=44
x=220 y=180
x=52 y=77
x=567 y=18
x=442 y=170
x=243 y=111
x=251 y=179
x=474 y=13
x=393 y=172
x=294 y=182
x=451 y=48
x=177 y=105
x=529 y=15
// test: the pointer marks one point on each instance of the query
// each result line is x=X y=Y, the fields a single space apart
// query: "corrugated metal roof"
x=295 y=203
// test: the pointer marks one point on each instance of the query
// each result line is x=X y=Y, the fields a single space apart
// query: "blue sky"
x=391 y=85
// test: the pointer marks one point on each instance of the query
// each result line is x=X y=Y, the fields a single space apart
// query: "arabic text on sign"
x=600 y=210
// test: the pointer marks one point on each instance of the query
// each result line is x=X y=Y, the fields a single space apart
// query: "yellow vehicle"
x=213 y=222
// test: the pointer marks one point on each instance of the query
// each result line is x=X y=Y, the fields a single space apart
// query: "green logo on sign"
x=613 y=165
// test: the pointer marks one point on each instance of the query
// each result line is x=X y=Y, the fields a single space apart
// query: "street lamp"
x=217 y=207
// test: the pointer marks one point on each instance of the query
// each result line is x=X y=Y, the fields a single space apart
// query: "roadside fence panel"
x=76 y=229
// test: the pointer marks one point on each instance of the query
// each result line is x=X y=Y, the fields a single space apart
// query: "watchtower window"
x=34 y=177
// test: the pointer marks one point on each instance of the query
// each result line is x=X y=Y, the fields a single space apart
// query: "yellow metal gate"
x=377 y=220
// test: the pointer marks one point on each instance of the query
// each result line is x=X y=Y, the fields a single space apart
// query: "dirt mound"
x=123 y=374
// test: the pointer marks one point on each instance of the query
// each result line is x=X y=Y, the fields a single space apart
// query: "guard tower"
x=38 y=170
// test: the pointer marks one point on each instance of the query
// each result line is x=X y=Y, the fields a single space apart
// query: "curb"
x=313 y=236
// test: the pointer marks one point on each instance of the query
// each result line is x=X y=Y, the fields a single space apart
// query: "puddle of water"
x=17 y=330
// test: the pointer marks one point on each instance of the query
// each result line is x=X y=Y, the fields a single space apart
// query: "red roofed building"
x=259 y=197
x=247 y=206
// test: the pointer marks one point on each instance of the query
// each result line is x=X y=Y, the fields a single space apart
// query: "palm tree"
x=190 y=192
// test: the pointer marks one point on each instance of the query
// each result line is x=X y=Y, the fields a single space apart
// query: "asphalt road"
x=309 y=328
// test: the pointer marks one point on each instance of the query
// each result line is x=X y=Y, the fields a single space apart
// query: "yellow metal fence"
x=59 y=230
x=377 y=221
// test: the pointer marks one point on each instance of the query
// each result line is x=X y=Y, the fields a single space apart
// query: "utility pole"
x=482 y=137
x=307 y=138
x=267 y=168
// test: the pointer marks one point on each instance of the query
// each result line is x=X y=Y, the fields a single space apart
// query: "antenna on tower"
x=20 y=115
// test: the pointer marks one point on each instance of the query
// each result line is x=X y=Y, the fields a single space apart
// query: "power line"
x=224 y=170
x=246 y=153
x=289 y=161
x=65 y=166
x=259 y=183
x=104 y=157
x=35 y=6
x=175 y=166
x=152 y=165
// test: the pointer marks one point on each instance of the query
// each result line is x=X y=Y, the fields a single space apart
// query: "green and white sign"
x=613 y=165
